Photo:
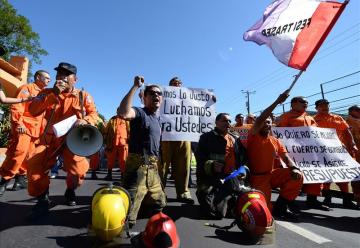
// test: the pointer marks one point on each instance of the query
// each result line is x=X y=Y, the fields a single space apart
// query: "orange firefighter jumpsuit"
x=296 y=119
x=355 y=130
x=230 y=161
x=58 y=108
x=262 y=153
x=117 y=134
x=21 y=144
x=95 y=159
x=338 y=123
x=243 y=132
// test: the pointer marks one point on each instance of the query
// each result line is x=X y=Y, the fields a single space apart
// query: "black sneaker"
x=70 y=197
x=327 y=201
x=293 y=207
x=186 y=200
x=315 y=204
x=350 y=205
x=93 y=175
x=3 y=185
x=286 y=215
x=109 y=176
x=20 y=183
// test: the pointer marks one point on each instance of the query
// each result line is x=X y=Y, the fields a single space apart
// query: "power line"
x=280 y=73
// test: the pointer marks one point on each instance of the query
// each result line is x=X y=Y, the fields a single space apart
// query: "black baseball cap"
x=67 y=67
x=321 y=101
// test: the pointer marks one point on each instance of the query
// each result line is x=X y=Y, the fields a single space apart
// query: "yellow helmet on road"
x=110 y=206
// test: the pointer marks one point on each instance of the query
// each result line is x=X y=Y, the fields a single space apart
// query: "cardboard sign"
x=319 y=154
x=186 y=113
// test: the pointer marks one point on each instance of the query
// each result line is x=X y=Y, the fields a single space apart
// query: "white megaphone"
x=84 y=140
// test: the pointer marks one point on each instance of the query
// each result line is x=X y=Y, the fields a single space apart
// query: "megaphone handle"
x=58 y=148
x=81 y=100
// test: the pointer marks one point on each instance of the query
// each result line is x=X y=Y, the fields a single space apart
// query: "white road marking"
x=303 y=232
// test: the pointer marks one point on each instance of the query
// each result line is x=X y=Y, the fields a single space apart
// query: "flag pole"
x=296 y=79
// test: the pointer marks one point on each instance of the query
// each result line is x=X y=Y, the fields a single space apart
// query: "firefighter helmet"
x=160 y=232
x=252 y=213
x=110 y=206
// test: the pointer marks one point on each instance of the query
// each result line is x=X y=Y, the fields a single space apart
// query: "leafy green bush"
x=5 y=126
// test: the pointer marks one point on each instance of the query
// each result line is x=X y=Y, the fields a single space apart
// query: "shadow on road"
x=87 y=240
x=343 y=223
x=13 y=213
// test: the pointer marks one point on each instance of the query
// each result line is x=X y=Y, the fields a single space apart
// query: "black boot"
x=191 y=184
x=327 y=199
x=3 y=184
x=312 y=202
x=93 y=175
x=281 y=210
x=41 y=208
x=70 y=197
x=20 y=183
x=109 y=176
x=347 y=201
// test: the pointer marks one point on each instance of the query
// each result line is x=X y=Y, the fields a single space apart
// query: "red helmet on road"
x=252 y=213
x=160 y=232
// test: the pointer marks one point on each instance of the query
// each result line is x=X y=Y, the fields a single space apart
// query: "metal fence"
x=341 y=92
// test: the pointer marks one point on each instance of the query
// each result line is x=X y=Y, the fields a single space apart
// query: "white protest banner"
x=243 y=132
x=319 y=154
x=186 y=113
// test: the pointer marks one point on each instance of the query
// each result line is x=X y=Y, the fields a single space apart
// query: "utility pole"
x=248 y=98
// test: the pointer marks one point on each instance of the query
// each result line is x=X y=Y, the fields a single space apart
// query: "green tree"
x=18 y=38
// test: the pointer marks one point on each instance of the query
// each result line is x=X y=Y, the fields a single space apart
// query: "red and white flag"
x=295 y=29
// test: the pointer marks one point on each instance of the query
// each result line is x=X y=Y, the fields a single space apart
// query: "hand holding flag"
x=295 y=29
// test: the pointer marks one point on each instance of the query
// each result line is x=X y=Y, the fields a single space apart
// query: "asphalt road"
x=68 y=226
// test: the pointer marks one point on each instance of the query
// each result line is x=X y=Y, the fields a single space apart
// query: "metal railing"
x=338 y=105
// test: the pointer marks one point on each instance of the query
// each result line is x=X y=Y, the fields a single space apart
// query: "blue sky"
x=200 y=41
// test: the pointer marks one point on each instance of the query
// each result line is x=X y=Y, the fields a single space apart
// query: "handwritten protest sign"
x=186 y=113
x=243 y=132
x=319 y=154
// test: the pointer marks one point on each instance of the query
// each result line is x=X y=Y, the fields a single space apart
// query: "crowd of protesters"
x=132 y=137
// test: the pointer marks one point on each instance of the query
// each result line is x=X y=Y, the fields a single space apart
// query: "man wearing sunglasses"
x=298 y=117
x=141 y=177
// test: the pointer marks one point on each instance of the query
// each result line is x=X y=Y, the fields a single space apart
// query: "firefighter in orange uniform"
x=60 y=102
x=95 y=159
x=11 y=100
x=116 y=140
x=354 y=122
x=263 y=149
x=25 y=130
x=297 y=117
x=241 y=128
x=325 y=119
